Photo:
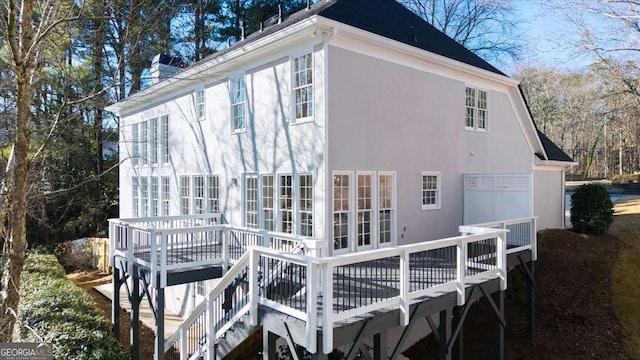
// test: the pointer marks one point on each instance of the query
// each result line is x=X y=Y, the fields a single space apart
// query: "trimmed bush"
x=591 y=209
x=62 y=314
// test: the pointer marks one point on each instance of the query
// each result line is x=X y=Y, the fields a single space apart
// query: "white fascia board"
x=464 y=69
x=194 y=75
x=553 y=164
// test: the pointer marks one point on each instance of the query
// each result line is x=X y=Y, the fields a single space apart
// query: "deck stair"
x=287 y=285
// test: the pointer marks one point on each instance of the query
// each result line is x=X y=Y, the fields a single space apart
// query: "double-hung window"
x=286 y=204
x=213 y=193
x=251 y=201
x=200 y=109
x=237 y=95
x=144 y=196
x=185 y=195
x=153 y=141
x=268 y=202
x=341 y=211
x=305 y=209
x=476 y=109
x=155 y=196
x=135 y=196
x=198 y=195
x=144 y=141
x=165 y=194
x=385 y=208
x=365 y=215
x=430 y=190
x=164 y=139
x=302 y=70
x=135 y=145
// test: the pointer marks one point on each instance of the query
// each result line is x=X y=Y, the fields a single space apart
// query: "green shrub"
x=62 y=314
x=591 y=209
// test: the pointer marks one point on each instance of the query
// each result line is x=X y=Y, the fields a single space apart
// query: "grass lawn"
x=625 y=277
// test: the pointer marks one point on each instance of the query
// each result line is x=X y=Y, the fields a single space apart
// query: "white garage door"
x=497 y=197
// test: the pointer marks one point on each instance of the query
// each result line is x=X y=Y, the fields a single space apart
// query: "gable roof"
x=554 y=153
x=392 y=20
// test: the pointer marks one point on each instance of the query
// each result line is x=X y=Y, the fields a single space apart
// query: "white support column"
x=254 y=258
x=404 y=288
x=312 y=307
x=461 y=259
x=327 y=308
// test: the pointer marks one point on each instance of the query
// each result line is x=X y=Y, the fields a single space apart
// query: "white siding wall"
x=548 y=187
x=270 y=145
x=384 y=116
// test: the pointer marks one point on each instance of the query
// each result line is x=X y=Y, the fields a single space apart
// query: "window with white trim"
x=305 y=209
x=385 y=208
x=430 y=190
x=341 y=211
x=213 y=193
x=365 y=214
x=153 y=141
x=144 y=142
x=144 y=196
x=251 y=201
x=268 y=202
x=237 y=94
x=135 y=196
x=200 y=288
x=185 y=195
x=165 y=194
x=155 y=196
x=200 y=109
x=164 y=139
x=198 y=195
x=135 y=146
x=286 y=204
x=302 y=70
x=476 y=109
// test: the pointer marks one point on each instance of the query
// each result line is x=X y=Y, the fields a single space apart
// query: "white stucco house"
x=352 y=121
x=334 y=126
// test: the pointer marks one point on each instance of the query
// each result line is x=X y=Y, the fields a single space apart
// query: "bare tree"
x=26 y=25
x=487 y=27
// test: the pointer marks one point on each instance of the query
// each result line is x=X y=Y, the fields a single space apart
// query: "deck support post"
x=380 y=346
x=159 y=323
x=498 y=340
x=269 y=348
x=444 y=334
x=115 y=303
x=134 y=333
x=531 y=302
x=458 y=322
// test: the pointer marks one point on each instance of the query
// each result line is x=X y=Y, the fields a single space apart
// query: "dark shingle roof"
x=386 y=18
x=391 y=19
x=553 y=151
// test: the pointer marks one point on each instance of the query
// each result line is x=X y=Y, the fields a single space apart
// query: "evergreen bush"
x=591 y=209
x=54 y=310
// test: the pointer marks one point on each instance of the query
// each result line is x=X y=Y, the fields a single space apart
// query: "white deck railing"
x=176 y=243
x=383 y=279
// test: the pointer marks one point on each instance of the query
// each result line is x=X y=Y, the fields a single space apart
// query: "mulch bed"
x=574 y=315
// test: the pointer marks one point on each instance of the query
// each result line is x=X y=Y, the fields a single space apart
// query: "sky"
x=549 y=37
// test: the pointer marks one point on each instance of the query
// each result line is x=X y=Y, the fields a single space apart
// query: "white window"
x=155 y=196
x=365 y=215
x=302 y=71
x=476 y=109
x=305 y=210
x=286 y=204
x=213 y=193
x=135 y=196
x=164 y=139
x=185 y=195
x=268 y=202
x=251 y=202
x=341 y=211
x=200 y=109
x=144 y=141
x=153 y=141
x=164 y=180
x=238 y=116
x=386 y=210
x=198 y=195
x=200 y=288
x=135 y=151
x=144 y=196
x=430 y=190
